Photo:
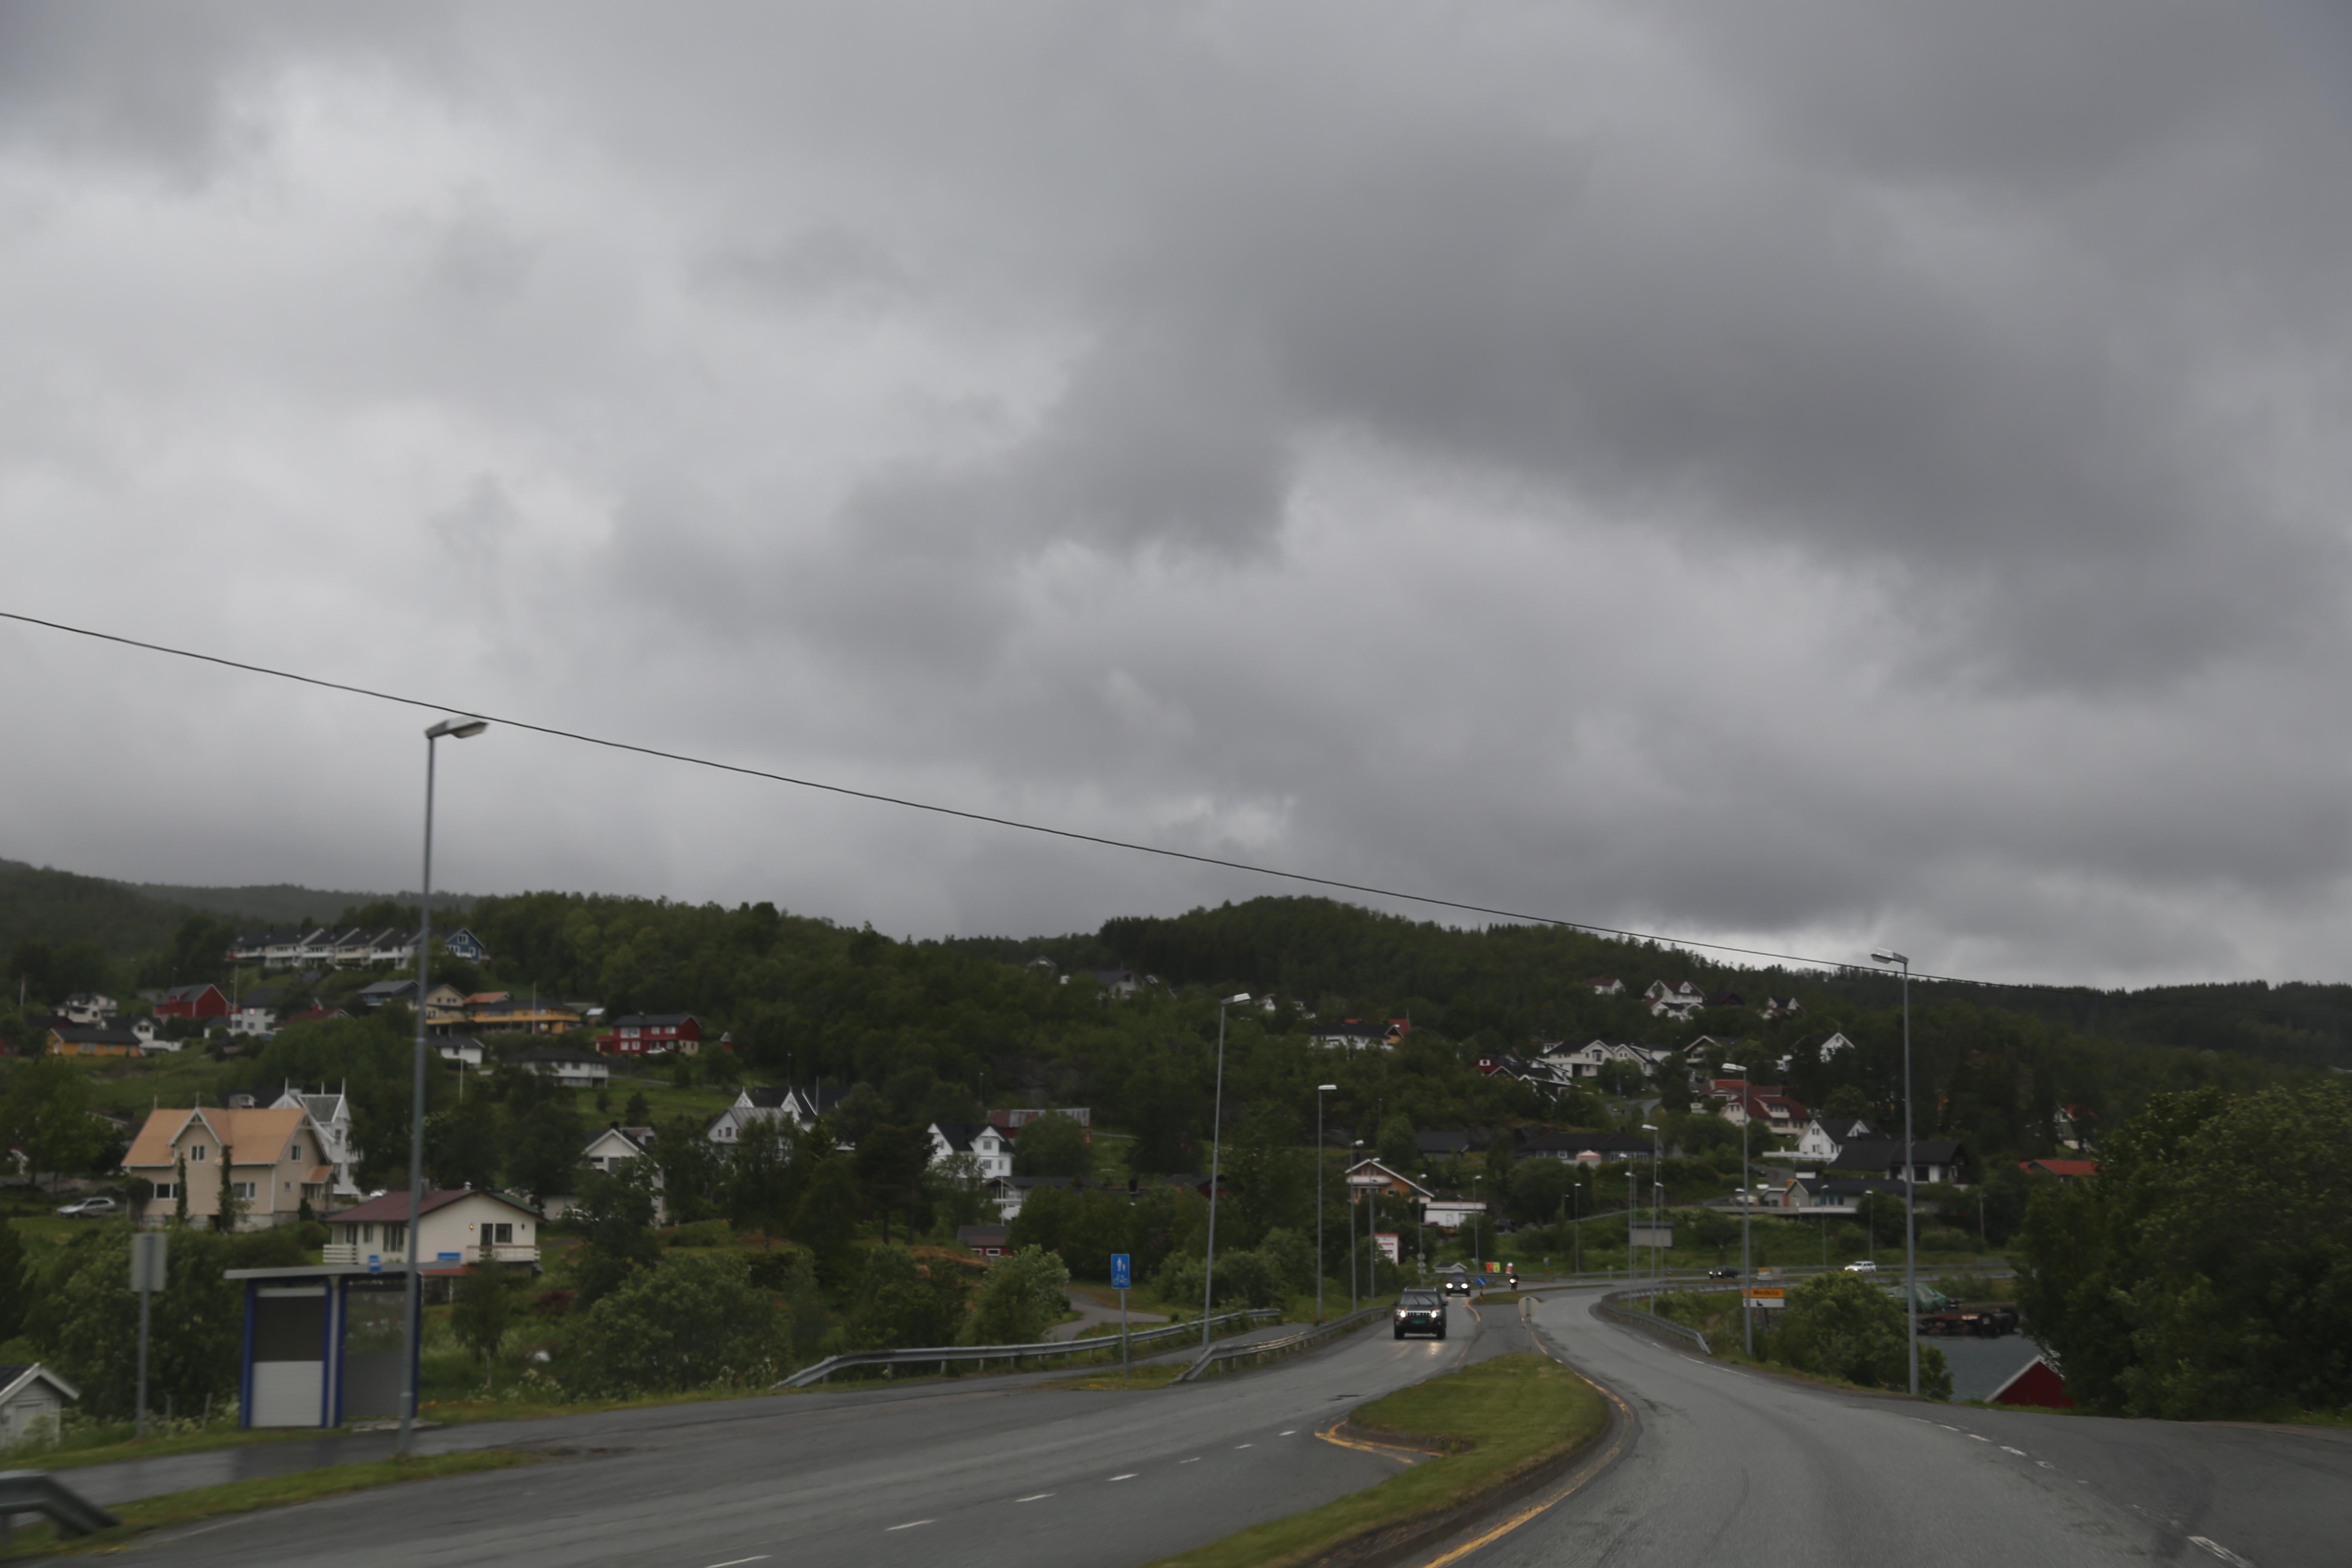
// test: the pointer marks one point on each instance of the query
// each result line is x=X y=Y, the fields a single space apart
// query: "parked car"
x=1864 y=1267
x=1723 y=1273
x=91 y=1208
x=1421 y=1312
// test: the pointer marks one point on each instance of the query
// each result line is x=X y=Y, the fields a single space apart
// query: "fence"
x=983 y=1354
x=1290 y=1344
x=1614 y=1305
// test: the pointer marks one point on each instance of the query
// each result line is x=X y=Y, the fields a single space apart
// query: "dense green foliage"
x=84 y=1319
x=2207 y=1270
x=691 y=1321
x=1847 y=1327
x=1022 y=1294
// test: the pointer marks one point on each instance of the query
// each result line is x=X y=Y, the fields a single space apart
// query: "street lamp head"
x=1888 y=955
x=1327 y=1088
x=1649 y=1127
x=1733 y=1066
x=457 y=729
x=1235 y=1001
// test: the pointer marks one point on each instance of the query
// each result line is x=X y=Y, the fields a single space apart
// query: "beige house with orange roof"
x=276 y=1158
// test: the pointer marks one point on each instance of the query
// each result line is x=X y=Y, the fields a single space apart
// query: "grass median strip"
x=1484 y=1428
x=200 y=1503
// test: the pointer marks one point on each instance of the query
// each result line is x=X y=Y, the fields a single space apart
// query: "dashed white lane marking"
x=2223 y=1552
x=1979 y=1438
x=1128 y=1476
x=1292 y=1432
x=1193 y=1460
x=1245 y=1445
x=1034 y=1497
x=911 y=1524
x=739 y=1562
x=2007 y=1449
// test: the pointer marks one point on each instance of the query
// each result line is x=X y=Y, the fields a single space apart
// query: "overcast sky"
x=1805 y=475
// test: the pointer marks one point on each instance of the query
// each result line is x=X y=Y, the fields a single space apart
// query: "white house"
x=609 y=1149
x=1607 y=987
x=87 y=1007
x=459 y=1048
x=32 y=1402
x=463 y=1227
x=985 y=1141
x=573 y=1069
x=330 y=1119
x=1824 y=1135
x=795 y=1107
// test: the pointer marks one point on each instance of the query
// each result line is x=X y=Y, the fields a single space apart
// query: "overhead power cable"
x=938 y=810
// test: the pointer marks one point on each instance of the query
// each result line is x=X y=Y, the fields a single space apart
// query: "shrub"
x=1844 y=1326
x=1020 y=1297
x=702 y=1233
x=689 y=1323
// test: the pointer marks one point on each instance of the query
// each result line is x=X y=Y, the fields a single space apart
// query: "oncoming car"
x=1421 y=1312
x=1458 y=1285
x=1864 y=1267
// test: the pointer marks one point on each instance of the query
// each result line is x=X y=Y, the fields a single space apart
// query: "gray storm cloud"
x=1789 y=474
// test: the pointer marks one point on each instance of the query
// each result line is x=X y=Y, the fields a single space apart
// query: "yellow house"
x=273 y=1160
x=93 y=1041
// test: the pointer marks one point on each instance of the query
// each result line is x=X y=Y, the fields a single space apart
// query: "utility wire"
x=947 y=810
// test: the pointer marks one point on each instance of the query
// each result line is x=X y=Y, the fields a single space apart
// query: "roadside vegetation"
x=1842 y=1328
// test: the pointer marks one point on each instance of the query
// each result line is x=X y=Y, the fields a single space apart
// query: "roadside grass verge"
x=1140 y=1377
x=175 y=1508
x=1496 y=1422
x=115 y=1443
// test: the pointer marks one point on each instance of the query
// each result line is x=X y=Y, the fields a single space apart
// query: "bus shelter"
x=322 y=1343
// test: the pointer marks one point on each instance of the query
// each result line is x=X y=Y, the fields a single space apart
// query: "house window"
x=395 y=1238
x=243 y=1189
x=196 y=1154
x=500 y=1235
x=367 y=1235
x=167 y=1189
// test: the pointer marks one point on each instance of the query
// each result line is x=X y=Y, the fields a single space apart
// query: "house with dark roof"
x=464 y=1225
x=1932 y=1158
x=203 y=1001
x=641 y=1033
x=986 y=1142
x=93 y=1041
x=2066 y=1170
x=573 y=1069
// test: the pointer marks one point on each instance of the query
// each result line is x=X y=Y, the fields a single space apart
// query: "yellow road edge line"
x=1385 y=1450
x=1585 y=1474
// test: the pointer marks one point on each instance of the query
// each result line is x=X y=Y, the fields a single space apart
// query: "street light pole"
x=1910 y=1178
x=1216 y=1148
x=1747 y=1202
x=457 y=729
x=1655 y=1270
x=1352 y=1302
x=1322 y=1160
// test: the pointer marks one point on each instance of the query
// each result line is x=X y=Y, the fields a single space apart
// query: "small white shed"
x=29 y=1397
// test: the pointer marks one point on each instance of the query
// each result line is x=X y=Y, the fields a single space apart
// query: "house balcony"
x=354 y=1253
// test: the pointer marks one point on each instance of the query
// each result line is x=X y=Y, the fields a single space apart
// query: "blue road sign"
x=1119 y=1273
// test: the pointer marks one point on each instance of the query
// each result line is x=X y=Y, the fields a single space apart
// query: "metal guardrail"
x=38 y=1492
x=1288 y=1344
x=983 y=1354
x=1613 y=1304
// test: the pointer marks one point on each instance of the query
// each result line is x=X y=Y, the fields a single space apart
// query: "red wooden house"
x=193 y=1002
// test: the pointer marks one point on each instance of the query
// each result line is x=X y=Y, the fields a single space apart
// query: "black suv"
x=1421 y=1312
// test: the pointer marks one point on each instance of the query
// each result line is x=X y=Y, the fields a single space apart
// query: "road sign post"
x=147 y=1261
x=1121 y=1275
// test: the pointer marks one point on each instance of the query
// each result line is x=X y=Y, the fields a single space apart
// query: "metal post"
x=1216 y=1150
x=1322 y=1160
x=416 y=1121
x=1123 y=1368
x=140 y=1430
x=461 y=729
x=1910 y=1198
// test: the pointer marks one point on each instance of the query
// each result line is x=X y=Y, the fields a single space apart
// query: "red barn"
x=2039 y=1385
x=642 y=1032
x=193 y=1002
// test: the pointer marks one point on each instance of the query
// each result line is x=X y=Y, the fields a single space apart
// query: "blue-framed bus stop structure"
x=322 y=1343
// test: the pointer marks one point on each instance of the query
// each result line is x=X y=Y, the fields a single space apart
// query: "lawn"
x=1496 y=1422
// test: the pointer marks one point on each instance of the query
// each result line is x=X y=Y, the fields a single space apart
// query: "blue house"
x=463 y=943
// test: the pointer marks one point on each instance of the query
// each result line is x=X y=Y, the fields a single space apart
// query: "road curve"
x=1723 y=1464
x=982 y=1472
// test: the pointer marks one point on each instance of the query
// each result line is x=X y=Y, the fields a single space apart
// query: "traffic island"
x=1470 y=1441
